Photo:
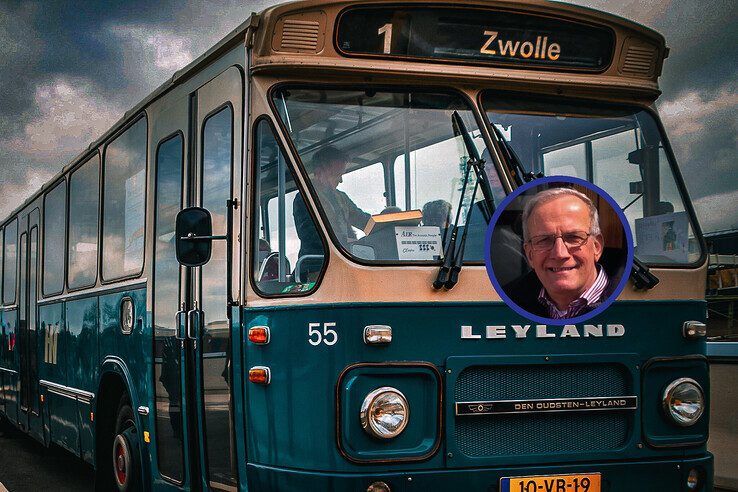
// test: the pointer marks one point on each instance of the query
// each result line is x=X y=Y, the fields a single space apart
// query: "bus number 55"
x=328 y=336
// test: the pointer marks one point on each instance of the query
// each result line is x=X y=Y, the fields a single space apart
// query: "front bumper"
x=631 y=476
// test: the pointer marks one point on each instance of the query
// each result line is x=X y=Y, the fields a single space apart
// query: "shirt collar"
x=588 y=297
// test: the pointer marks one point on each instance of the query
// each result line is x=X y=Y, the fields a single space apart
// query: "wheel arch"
x=115 y=381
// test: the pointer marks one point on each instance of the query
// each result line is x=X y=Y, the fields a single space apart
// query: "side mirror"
x=194 y=229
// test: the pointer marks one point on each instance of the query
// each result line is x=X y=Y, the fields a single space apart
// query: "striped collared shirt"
x=575 y=308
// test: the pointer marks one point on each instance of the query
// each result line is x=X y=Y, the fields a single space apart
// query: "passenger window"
x=9 y=267
x=288 y=252
x=366 y=187
x=84 y=198
x=54 y=238
x=567 y=161
x=124 y=199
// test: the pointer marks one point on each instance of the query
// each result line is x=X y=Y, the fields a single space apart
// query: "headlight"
x=384 y=413
x=684 y=401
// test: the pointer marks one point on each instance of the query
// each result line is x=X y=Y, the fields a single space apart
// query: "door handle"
x=181 y=323
x=194 y=319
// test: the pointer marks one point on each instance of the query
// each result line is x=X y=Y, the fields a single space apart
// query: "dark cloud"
x=19 y=52
x=704 y=46
x=70 y=69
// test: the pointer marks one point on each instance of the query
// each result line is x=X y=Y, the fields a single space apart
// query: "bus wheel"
x=126 y=466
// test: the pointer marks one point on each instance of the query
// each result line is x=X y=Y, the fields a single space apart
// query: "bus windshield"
x=620 y=149
x=387 y=169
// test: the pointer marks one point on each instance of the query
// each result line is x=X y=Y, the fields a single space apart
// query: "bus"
x=722 y=352
x=197 y=301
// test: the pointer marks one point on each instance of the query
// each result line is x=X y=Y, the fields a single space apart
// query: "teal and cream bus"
x=191 y=303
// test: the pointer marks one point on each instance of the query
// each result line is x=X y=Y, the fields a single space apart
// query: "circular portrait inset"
x=559 y=250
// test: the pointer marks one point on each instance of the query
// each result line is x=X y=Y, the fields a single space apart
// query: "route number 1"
x=328 y=336
x=386 y=30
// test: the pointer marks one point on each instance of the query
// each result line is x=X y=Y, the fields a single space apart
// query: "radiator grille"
x=300 y=35
x=639 y=60
x=520 y=434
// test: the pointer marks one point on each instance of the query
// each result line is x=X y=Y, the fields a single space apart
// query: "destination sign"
x=474 y=35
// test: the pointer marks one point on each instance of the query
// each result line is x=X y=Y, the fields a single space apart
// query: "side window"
x=124 y=199
x=54 y=236
x=568 y=161
x=9 y=266
x=288 y=253
x=84 y=198
x=217 y=150
x=366 y=187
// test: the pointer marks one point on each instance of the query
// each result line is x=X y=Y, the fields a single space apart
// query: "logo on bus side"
x=497 y=332
x=50 y=344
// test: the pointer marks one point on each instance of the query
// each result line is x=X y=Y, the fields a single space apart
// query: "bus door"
x=218 y=115
x=27 y=329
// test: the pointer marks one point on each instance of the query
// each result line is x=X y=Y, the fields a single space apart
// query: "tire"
x=125 y=454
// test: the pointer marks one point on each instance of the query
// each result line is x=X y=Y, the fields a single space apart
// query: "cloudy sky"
x=71 y=69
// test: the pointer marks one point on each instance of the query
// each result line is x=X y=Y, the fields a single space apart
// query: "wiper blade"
x=458 y=260
x=512 y=157
x=450 y=247
x=453 y=257
x=476 y=163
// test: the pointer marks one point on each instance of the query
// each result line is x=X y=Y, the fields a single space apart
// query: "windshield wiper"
x=449 y=248
x=453 y=257
x=512 y=157
x=476 y=163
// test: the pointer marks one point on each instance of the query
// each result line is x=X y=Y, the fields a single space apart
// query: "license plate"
x=582 y=482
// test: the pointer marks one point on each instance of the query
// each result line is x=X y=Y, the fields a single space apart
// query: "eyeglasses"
x=572 y=240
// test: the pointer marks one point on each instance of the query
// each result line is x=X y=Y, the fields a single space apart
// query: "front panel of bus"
x=363 y=375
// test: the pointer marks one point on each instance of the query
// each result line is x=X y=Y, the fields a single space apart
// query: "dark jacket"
x=342 y=213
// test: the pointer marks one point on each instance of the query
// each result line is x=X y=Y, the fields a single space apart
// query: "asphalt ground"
x=26 y=466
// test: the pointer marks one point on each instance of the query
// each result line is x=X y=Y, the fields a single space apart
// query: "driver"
x=329 y=165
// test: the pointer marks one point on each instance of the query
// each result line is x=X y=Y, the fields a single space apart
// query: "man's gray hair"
x=547 y=195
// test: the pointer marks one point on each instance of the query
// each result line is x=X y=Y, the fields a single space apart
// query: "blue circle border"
x=559 y=179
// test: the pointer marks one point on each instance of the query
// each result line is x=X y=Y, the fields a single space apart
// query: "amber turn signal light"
x=260 y=375
x=259 y=335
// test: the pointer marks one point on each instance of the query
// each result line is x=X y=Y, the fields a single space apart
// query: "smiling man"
x=563 y=244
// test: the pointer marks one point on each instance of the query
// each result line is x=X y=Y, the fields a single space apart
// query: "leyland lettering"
x=468 y=332
x=540 y=50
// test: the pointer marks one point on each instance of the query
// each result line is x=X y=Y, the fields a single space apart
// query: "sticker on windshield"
x=664 y=237
x=559 y=250
x=418 y=243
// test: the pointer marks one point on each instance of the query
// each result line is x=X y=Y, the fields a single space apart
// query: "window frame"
x=15 y=285
x=255 y=202
x=200 y=172
x=673 y=163
x=155 y=216
x=82 y=162
x=62 y=182
x=101 y=219
x=498 y=166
